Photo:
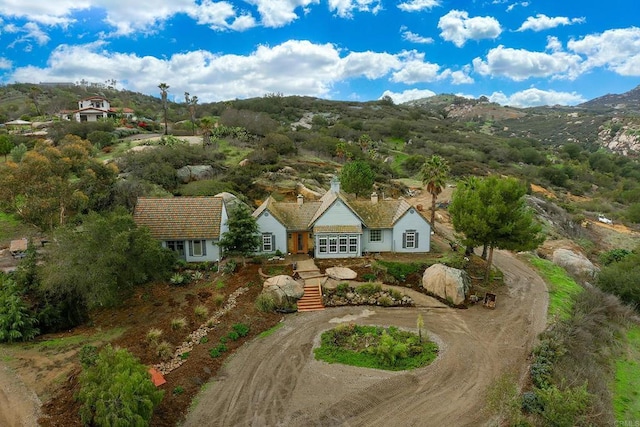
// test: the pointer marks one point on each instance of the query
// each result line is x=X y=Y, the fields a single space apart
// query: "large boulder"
x=449 y=284
x=283 y=288
x=576 y=264
x=341 y=273
x=194 y=173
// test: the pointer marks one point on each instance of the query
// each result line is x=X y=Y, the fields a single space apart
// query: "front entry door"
x=300 y=243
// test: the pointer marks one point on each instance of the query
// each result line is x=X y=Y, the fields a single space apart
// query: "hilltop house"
x=190 y=226
x=93 y=109
x=338 y=227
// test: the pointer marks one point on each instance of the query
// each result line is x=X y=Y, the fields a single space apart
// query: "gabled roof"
x=180 y=217
x=382 y=214
x=291 y=215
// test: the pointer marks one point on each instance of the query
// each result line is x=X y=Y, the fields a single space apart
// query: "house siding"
x=386 y=245
x=412 y=220
x=268 y=224
x=338 y=214
x=212 y=251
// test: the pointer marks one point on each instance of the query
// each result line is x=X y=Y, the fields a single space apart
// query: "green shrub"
x=218 y=350
x=164 y=350
x=369 y=277
x=342 y=289
x=265 y=303
x=230 y=267
x=178 y=390
x=233 y=336
x=17 y=323
x=368 y=289
x=385 y=301
x=564 y=408
x=399 y=270
x=204 y=340
x=201 y=311
x=153 y=335
x=178 y=323
x=218 y=300
x=117 y=390
x=88 y=355
x=396 y=295
x=241 y=329
x=178 y=279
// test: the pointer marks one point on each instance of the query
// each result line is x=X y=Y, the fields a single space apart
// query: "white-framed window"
x=375 y=235
x=410 y=239
x=333 y=245
x=353 y=244
x=322 y=245
x=267 y=242
x=342 y=244
x=198 y=247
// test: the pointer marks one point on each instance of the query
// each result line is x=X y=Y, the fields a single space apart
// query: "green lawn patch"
x=270 y=331
x=562 y=288
x=400 y=270
x=375 y=347
x=626 y=391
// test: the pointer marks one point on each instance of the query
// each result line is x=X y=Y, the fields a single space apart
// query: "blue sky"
x=523 y=53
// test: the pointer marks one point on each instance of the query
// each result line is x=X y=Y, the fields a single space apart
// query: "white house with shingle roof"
x=190 y=226
x=339 y=227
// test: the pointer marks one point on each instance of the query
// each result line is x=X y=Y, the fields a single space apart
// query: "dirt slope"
x=19 y=407
x=275 y=381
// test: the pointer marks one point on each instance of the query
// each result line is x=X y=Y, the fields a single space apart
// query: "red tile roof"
x=180 y=217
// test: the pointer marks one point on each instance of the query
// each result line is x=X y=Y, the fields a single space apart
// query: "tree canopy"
x=116 y=390
x=103 y=259
x=243 y=237
x=435 y=172
x=357 y=177
x=492 y=211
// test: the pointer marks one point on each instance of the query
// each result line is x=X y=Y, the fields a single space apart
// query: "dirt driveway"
x=275 y=381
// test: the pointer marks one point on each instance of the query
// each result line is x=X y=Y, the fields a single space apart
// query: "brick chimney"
x=374 y=197
x=300 y=199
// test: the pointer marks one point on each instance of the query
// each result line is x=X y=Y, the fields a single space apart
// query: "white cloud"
x=408 y=95
x=345 y=8
x=413 y=37
x=29 y=32
x=221 y=16
x=461 y=77
x=457 y=27
x=513 y=5
x=533 y=97
x=293 y=67
x=521 y=64
x=416 y=71
x=5 y=64
x=617 y=50
x=418 y=5
x=542 y=22
x=278 y=13
x=553 y=44
x=44 y=12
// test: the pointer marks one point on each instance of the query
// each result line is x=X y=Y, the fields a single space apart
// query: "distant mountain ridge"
x=628 y=101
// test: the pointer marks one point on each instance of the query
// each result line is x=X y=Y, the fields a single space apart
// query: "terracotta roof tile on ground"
x=180 y=217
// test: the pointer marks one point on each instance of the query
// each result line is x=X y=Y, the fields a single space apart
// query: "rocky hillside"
x=626 y=102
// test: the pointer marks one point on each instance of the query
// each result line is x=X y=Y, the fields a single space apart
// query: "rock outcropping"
x=283 y=288
x=576 y=264
x=446 y=283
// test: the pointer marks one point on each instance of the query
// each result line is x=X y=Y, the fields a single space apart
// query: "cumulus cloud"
x=513 y=5
x=413 y=37
x=534 y=97
x=418 y=5
x=44 y=12
x=407 y=95
x=461 y=77
x=221 y=16
x=417 y=71
x=293 y=67
x=521 y=64
x=5 y=64
x=457 y=27
x=345 y=8
x=542 y=22
x=553 y=44
x=278 y=13
x=617 y=50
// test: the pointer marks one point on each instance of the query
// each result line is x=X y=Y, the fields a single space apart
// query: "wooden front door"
x=300 y=243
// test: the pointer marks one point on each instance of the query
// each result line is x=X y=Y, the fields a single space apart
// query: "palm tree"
x=435 y=172
x=207 y=124
x=164 y=88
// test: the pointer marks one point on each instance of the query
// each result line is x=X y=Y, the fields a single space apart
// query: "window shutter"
x=404 y=240
x=417 y=240
x=190 y=248
x=204 y=248
x=273 y=242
